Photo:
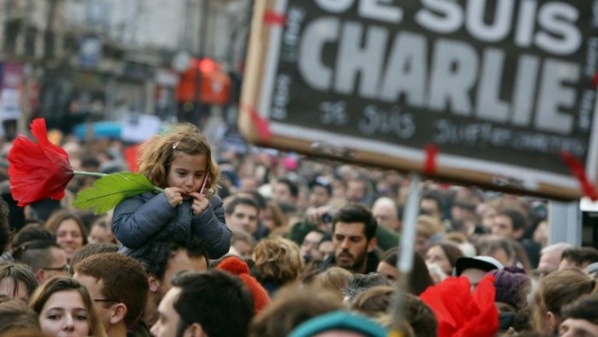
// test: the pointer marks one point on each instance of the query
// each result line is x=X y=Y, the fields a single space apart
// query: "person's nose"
x=190 y=181
x=345 y=244
x=155 y=329
x=69 y=323
x=245 y=221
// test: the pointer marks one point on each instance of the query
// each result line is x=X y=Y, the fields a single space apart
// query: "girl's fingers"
x=199 y=206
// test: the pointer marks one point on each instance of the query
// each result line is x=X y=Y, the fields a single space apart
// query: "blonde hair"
x=334 y=279
x=277 y=260
x=159 y=151
x=427 y=226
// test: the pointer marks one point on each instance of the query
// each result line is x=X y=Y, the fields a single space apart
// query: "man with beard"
x=164 y=259
x=213 y=303
x=354 y=239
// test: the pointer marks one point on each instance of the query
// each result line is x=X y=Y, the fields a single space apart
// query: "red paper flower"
x=37 y=170
x=460 y=313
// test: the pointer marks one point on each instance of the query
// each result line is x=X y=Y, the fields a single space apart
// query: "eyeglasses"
x=65 y=268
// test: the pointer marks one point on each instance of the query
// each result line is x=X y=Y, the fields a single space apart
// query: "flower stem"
x=90 y=174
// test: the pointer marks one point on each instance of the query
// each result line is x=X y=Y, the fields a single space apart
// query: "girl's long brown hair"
x=157 y=154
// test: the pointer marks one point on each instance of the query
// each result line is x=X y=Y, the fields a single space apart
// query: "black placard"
x=496 y=85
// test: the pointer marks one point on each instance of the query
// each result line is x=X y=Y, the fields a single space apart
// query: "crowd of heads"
x=314 y=249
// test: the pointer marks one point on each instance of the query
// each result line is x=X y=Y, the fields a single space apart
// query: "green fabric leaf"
x=110 y=190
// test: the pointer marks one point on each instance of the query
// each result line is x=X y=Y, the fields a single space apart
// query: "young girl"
x=180 y=162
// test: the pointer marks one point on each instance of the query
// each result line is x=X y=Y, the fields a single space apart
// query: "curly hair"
x=277 y=260
x=157 y=154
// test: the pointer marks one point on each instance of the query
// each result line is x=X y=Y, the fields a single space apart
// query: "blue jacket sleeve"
x=136 y=220
x=210 y=226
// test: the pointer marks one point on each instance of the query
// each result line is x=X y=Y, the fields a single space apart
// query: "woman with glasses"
x=65 y=309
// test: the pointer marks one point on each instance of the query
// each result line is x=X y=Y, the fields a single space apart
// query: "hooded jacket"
x=147 y=217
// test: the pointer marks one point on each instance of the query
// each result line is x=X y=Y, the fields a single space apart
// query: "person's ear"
x=372 y=244
x=154 y=283
x=195 y=330
x=553 y=320
x=40 y=275
x=119 y=312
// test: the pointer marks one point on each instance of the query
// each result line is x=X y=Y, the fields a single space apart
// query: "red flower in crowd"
x=461 y=313
x=37 y=170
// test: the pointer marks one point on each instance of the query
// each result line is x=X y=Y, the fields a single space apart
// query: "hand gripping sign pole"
x=406 y=251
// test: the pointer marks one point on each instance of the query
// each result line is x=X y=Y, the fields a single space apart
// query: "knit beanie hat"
x=511 y=285
x=238 y=267
x=339 y=320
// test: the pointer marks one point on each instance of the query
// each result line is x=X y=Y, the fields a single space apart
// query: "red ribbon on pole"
x=274 y=19
x=579 y=172
x=430 y=162
x=261 y=124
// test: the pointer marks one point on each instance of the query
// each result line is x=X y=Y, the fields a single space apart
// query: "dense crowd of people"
x=265 y=243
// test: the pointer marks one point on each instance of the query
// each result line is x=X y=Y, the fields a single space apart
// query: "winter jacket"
x=148 y=217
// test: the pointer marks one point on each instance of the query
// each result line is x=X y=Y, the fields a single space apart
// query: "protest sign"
x=502 y=90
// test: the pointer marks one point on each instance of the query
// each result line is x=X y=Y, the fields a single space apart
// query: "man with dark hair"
x=580 y=318
x=431 y=203
x=214 y=304
x=118 y=287
x=162 y=260
x=243 y=214
x=46 y=259
x=30 y=232
x=579 y=257
x=285 y=191
x=354 y=238
x=320 y=192
x=512 y=223
x=309 y=246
